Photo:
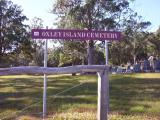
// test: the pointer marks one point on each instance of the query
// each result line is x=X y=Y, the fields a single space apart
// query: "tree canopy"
x=91 y=14
x=13 y=32
x=17 y=48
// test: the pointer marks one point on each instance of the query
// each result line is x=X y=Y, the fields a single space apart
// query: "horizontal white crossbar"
x=51 y=70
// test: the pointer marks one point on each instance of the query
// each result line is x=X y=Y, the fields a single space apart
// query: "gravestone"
x=157 y=66
x=137 y=67
x=120 y=70
x=146 y=66
x=114 y=69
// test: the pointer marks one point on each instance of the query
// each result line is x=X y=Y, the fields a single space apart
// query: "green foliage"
x=154 y=40
x=12 y=30
x=37 y=45
x=54 y=57
x=98 y=57
x=89 y=14
x=73 y=53
x=134 y=45
x=13 y=33
x=135 y=33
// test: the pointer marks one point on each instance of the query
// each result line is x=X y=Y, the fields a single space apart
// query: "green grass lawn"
x=132 y=97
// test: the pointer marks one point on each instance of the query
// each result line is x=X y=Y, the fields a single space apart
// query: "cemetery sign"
x=66 y=34
x=75 y=34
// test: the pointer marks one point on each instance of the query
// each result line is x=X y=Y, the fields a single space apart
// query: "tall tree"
x=154 y=39
x=90 y=14
x=135 y=34
x=37 y=45
x=12 y=30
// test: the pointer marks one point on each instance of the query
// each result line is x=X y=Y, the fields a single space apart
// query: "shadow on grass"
x=19 y=93
x=129 y=95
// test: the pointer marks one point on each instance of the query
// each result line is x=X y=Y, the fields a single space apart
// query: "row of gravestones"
x=146 y=67
x=139 y=67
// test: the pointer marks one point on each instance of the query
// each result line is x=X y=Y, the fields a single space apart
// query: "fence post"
x=45 y=79
x=103 y=95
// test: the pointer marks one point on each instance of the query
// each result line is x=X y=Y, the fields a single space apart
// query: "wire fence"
x=53 y=97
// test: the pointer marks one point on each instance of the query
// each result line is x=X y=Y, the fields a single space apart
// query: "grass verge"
x=132 y=96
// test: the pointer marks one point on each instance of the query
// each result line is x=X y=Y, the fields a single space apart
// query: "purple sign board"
x=75 y=34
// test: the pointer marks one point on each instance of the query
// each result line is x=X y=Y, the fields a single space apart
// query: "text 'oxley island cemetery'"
x=75 y=34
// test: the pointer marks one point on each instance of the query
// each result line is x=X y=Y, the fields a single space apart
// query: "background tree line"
x=17 y=48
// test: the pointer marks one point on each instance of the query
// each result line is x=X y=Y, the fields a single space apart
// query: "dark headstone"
x=119 y=70
x=114 y=70
x=146 y=66
x=157 y=66
x=137 y=68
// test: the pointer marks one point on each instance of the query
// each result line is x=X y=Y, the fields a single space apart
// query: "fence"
x=103 y=84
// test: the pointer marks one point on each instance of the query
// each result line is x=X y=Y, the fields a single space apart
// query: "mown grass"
x=132 y=97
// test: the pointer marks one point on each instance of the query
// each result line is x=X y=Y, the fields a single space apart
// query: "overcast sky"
x=148 y=9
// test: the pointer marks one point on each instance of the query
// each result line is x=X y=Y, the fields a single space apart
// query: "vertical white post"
x=45 y=79
x=107 y=85
x=106 y=51
x=102 y=107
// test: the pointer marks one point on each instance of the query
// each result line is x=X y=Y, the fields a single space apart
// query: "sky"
x=37 y=8
x=148 y=9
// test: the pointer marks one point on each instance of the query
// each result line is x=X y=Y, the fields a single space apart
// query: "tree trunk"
x=134 y=59
x=90 y=52
x=134 y=55
x=0 y=35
